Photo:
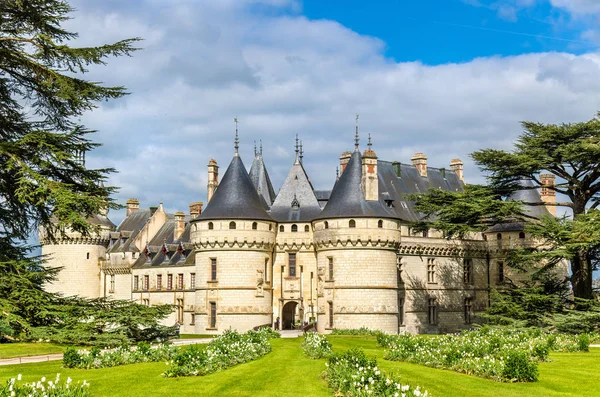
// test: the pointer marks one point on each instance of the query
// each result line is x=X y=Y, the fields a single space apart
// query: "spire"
x=261 y=147
x=254 y=148
x=297 y=161
x=356 y=136
x=301 y=151
x=237 y=140
x=369 y=144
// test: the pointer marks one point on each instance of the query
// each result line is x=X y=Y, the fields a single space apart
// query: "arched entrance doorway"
x=288 y=315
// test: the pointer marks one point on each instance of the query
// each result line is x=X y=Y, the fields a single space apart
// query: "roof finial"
x=369 y=144
x=237 y=140
x=337 y=173
x=356 y=136
x=261 y=147
x=301 y=151
x=297 y=148
x=254 y=148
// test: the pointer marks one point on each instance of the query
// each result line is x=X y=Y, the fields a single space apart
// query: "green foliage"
x=518 y=367
x=44 y=388
x=316 y=346
x=71 y=358
x=96 y=358
x=363 y=331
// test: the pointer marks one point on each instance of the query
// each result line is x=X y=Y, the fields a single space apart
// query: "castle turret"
x=233 y=238
x=356 y=239
x=260 y=178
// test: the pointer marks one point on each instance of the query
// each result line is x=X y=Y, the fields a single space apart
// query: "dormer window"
x=295 y=204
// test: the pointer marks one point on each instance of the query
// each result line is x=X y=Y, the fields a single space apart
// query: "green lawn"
x=286 y=372
x=9 y=350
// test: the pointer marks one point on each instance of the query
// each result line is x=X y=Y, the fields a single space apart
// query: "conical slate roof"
x=236 y=197
x=347 y=199
x=296 y=200
x=530 y=195
x=261 y=181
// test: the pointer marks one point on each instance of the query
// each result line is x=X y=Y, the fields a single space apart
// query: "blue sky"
x=443 y=77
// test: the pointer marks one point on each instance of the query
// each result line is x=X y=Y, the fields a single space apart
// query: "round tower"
x=234 y=238
x=80 y=259
x=356 y=241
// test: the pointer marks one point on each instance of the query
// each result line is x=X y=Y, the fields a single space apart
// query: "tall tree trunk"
x=581 y=278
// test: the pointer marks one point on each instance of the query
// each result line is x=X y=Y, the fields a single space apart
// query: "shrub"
x=518 y=367
x=352 y=373
x=96 y=358
x=42 y=388
x=316 y=346
x=583 y=343
x=71 y=358
x=363 y=331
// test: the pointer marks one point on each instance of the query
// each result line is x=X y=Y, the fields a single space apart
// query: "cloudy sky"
x=443 y=77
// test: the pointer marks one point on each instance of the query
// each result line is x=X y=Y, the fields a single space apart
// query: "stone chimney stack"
x=213 y=178
x=344 y=159
x=370 y=181
x=457 y=166
x=179 y=224
x=419 y=160
x=196 y=209
x=548 y=195
x=132 y=205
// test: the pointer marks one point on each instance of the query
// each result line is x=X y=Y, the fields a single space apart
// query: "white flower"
x=19 y=377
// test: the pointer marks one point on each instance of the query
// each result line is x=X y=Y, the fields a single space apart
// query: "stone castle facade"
x=345 y=258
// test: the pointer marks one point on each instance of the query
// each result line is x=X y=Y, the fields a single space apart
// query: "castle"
x=345 y=258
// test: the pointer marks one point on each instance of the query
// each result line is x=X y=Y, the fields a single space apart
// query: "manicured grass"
x=9 y=350
x=286 y=372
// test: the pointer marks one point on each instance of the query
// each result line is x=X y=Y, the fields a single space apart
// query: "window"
x=430 y=270
x=522 y=235
x=192 y=281
x=270 y=227
x=146 y=302
x=136 y=283
x=426 y=233
x=330 y=268
x=468 y=271
x=380 y=224
x=133 y=255
x=213 y=269
x=254 y=225
x=180 y=311
x=88 y=255
x=326 y=225
x=192 y=319
x=281 y=228
x=468 y=310
x=146 y=282
x=169 y=282
x=294 y=228
x=352 y=223
x=432 y=311
x=212 y=321
x=500 y=272
x=399 y=270
x=111 y=289
x=400 y=311
x=307 y=228
x=330 y=314
x=266 y=274
x=211 y=226
x=499 y=236
x=232 y=225
x=159 y=281
x=292 y=264
x=180 y=281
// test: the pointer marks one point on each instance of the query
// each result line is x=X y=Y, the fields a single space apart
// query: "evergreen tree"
x=43 y=183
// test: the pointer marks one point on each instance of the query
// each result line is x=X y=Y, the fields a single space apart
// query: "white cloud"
x=579 y=7
x=283 y=74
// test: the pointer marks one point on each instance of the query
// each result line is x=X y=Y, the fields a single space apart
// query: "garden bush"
x=42 y=388
x=316 y=346
x=363 y=331
x=96 y=358
x=500 y=354
x=352 y=373
x=227 y=350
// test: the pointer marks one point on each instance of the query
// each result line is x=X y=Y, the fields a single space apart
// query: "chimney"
x=457 y=166
x=213 y=179
x=132 y=205
x=370 y=181
x=548 y=195
x=419 y=160
x=196 y=209
x=344 y=159
x=179 y=224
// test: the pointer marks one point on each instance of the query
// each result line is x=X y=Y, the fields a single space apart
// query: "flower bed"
x=352 y=373
x=316 y=346
x=96 y=358
x=225 y=351
x=51 y=388
x=503 y=355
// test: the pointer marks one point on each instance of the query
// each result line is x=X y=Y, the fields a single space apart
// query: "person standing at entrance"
x=277 y=324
